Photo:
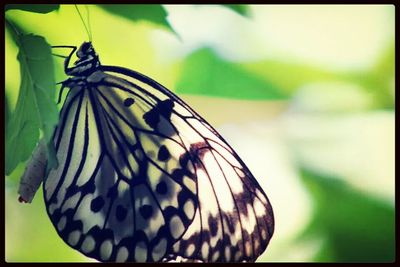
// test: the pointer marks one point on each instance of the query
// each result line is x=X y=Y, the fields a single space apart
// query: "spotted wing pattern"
x=119 y=193
x=142 y=177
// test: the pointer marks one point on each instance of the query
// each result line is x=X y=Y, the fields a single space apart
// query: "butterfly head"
x=86 y=50
x=87 y=62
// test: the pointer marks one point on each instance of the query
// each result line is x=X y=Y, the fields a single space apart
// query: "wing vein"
x=133 y=128
x=69 y=151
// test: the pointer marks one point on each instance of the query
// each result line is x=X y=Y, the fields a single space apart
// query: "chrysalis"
x=34 y=174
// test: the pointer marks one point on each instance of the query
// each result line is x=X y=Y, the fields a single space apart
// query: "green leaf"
x=240 y=9
x=289 y=76
x=134 y=12
x=204 y=73
x=356 y=227
x=37 y=8
x=7 y=111
x=35 y=106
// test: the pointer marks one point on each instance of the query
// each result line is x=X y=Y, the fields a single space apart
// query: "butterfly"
x=143 y=178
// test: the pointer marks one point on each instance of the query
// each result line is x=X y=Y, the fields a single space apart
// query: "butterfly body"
x=143 y=178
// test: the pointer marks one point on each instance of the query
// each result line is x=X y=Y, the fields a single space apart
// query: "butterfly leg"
x=68 y=83
x=63 y=85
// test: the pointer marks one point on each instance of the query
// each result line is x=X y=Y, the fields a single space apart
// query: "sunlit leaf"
x=134 y=12
x=204 y=73
x=240 y=9
x=37 y=8
x=35 y=108
x=357 y=227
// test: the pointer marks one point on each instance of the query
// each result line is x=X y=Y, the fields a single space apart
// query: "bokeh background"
x=305 y=94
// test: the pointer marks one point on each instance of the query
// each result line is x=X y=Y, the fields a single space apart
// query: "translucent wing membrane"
x=234 y=219
x=142 y=177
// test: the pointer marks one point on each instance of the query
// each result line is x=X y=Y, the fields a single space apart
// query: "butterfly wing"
x=234 y=220
x=144 y=178
x=119 y=193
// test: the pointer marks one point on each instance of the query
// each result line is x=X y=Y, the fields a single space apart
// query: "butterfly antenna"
x=89 y=25
x=84 y=24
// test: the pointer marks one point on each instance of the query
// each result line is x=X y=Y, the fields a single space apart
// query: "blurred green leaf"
x=204 y=73
x=153 y=13
x=381 y=78
x=240 y=9
x=289 y=76
x=385 y=66
x=35 y=106
x=37 y=8
x=357 y=227
x=7 y=111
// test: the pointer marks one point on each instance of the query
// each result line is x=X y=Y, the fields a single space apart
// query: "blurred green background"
x=305 y=95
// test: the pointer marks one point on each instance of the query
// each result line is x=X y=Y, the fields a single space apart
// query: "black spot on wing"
x=163 y=108
x=161 y=188
x=121 y=213
x=71 y=190
x=113 y=192
x=128 y=102
x=178 y=174
x=231 y=221
x=213 y=225
x=146 y=211
x=97 y=204
x=163 y=153
x=166 y=108
x=152 y=118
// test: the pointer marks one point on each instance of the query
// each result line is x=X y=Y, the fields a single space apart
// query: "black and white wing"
x=143 y=178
